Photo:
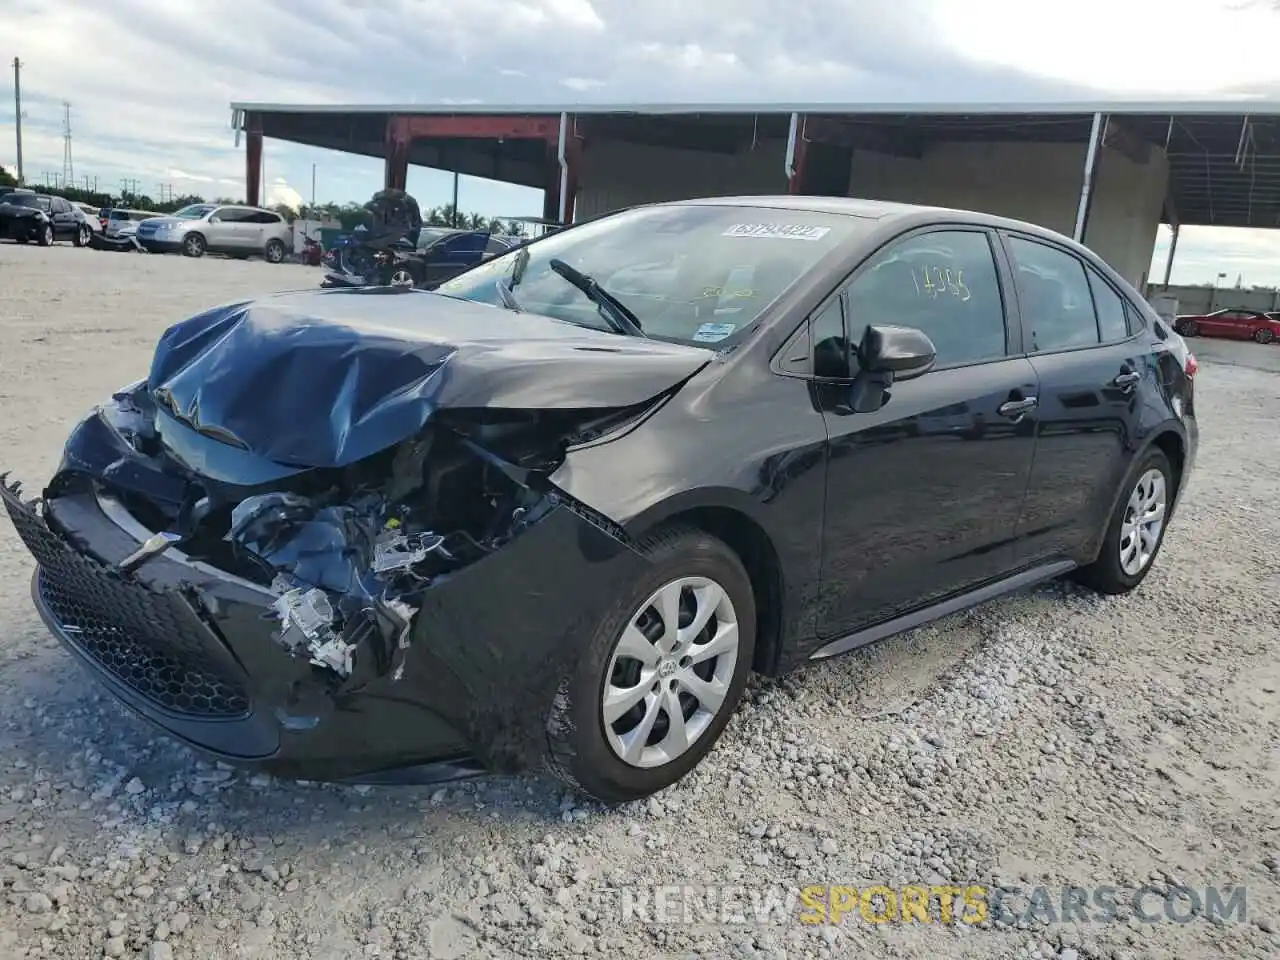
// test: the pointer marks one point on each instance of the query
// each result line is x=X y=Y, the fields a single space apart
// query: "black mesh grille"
x=152 y=641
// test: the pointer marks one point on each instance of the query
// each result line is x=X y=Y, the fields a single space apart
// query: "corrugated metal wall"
x=617 y=175
x=1037 y=182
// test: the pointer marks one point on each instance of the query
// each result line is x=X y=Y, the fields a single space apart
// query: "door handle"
x=1017 y=409
x=1126 y=379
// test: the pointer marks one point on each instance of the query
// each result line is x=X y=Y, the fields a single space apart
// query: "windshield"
x=695 y=274
x=30 y=200
x=193 y=212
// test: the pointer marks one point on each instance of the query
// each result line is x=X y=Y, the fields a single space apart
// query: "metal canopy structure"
x=1224 y=157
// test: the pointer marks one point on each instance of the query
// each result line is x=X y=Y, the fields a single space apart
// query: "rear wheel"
x=661 y=675
x=1136 y=530
x=274 y=252
x=403 y=276
x=193 y=245
x=1264 y=335
x=1188 y=328
x=82 y=236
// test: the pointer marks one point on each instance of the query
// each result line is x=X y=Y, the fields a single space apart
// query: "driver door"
x=923 y=495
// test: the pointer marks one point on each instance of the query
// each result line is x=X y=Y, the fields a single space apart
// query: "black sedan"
x=26 y=217
x=555 y=511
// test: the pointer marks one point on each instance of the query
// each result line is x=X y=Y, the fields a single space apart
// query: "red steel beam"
x=253 y=159
x=480 y=127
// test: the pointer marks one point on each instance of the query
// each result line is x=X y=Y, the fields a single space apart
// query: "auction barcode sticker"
x=777 y=231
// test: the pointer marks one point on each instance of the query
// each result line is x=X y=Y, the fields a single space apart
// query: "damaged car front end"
x=329 y=547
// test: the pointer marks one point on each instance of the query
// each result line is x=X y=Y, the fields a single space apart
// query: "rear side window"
x=943 y=283
x=1053 y=291
x=1113 y=324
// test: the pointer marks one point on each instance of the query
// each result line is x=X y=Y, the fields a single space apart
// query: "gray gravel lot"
x=1049 y=739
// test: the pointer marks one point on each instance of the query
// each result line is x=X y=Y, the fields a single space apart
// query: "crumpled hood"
x=325 y=378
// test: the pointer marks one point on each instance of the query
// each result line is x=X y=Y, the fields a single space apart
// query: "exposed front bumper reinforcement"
x=194 y=650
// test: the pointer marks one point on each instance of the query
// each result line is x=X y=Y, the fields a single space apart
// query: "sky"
x=151 y=83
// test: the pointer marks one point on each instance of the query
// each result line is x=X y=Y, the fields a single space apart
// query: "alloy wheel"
x=1264 y=335
x=402 y=278
x=1143 y=521
x=670 y=672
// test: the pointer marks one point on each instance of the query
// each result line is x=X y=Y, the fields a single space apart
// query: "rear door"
x=923 y=495
x=1091 y=363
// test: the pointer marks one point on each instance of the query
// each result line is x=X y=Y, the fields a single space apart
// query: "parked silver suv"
x=237 y=231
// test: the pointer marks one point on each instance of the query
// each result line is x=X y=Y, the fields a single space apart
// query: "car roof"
x=879 y=210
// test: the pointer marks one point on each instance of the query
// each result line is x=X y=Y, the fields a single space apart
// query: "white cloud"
x=581 y=83
x=280 y=192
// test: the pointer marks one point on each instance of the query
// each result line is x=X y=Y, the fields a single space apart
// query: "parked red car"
x=1231 y=324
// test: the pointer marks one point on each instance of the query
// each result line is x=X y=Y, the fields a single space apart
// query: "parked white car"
x=231 y=229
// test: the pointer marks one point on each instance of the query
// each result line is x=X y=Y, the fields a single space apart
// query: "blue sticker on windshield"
x=711 y=332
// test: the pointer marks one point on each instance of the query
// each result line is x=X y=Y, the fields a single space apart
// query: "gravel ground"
x=1048 y=739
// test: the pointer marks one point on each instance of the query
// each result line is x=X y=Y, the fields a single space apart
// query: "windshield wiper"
x=505 y=289
x=614 y=310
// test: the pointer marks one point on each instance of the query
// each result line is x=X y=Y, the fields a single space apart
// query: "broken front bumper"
x=193 y=650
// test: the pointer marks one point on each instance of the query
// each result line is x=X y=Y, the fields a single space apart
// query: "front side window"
x=691 y=273
x=1053 y=291
x=943 y=283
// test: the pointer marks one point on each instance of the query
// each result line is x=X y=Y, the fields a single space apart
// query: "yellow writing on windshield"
x=935 y=281
x=718 y=292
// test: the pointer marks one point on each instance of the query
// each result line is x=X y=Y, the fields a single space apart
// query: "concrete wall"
x=1208 y=299
x=1037 y=182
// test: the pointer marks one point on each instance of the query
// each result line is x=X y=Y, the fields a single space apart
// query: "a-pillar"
x=399 y=139
x=253 y=159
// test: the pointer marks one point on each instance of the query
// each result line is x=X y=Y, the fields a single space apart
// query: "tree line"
x=349 y=215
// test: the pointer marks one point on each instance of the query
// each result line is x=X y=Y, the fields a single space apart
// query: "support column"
x=396 y=150
x=1090 y=170
x=1173 y=248
x=253 y=159
x=565 y=149
x=797 y=154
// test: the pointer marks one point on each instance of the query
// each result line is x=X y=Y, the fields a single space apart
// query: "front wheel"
x=1136 y=530
x=661 y=675
x=1263 y=335
x=193 y=245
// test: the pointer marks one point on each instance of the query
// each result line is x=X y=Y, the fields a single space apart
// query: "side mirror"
x=885 y=356
x=904 y=352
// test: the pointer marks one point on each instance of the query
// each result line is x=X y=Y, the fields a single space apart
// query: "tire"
x=193 y=245
x=82 y=237
x=1189 y=328
x=46 y=236
x=402 y=276
x=274 y=252
x=586 y=754
x=1263 y=335
x=1109 y=573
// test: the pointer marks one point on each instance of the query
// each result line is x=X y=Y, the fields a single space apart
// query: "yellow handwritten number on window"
x=936 y=281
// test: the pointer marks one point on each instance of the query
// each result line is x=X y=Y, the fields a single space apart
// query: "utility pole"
x=68 y=170
x=17 y=111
